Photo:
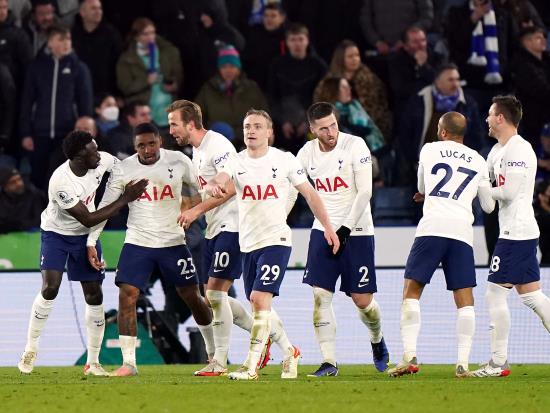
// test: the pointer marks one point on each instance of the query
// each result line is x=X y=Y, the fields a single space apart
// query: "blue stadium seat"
x=394 y=206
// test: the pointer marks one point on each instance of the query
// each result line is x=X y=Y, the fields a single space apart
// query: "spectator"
x=98 y=44
x=229 y=94
x=543 y=154
x=41 y=18
x=107 y=111
x=383 y=22
x=265 y=43
x=531 y=68
x=412 y=67
x=88 y=124
x=20 y=9
x=58 y=88
x=15 y=48
x=292 y=80
x=20 y=204
x=418 y=122
x=366 y=86
x=353 y=117
x=150 y=70
x=7 y=110
x=215 y=31
x=542 y=213
x=480 y=39
x=120 y=139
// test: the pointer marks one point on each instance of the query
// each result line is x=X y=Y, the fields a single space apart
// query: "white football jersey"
x=208 y=159
x=516 y=218
x=152 y=220
x=333 y=176
x=451 y=174
x=65 y=190
x=262 y=186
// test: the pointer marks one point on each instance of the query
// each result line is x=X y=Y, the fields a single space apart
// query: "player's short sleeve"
x=362 y=158
x=64 y=195
x=108 y=160
x=484 y=180
x=517 y=159
x=229 y=166
x=222 y=154
x=296 y=172
x=189 y=176
x=491 y=161
x=302 y=155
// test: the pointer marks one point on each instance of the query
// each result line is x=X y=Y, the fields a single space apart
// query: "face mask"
x=110 y=113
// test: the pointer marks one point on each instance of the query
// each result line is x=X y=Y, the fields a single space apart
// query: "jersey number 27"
x=438 y=189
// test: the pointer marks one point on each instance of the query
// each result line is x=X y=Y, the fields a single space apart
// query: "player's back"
x=451 y=174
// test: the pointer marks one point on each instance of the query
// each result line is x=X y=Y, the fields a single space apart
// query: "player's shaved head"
x=454 y=123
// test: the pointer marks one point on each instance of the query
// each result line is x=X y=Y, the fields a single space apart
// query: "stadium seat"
x=394 y=206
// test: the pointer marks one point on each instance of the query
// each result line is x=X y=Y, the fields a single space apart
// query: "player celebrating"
x=340 y=166
x=261 y=175
x=153 y=239
x=222 y=256
x=64 y=227
x=450 y=175
x=513 y=165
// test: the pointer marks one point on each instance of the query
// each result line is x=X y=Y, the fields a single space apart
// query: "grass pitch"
x=357 y=389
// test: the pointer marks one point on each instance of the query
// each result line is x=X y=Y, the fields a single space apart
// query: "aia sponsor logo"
x=259 y=193
x=157 y=194
x=328 y=185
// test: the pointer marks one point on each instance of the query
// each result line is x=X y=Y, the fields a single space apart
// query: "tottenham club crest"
x=171 y=172
x=274 y=172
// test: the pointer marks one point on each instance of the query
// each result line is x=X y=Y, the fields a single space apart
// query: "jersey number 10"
x=438 y=189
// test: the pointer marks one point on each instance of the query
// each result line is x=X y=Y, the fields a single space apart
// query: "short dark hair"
x=320 y=110
x=275 y=6
x=146 y=127
x=188 y=110
x=296 y=28
x=528 y=31
x=75 y=142
x=100 y=97
x=410 y=29
x=57 y=29
x=509 y=107
x=130 y=108
x=444 y=67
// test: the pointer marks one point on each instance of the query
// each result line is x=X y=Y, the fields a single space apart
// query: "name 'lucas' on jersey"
x=333 y=176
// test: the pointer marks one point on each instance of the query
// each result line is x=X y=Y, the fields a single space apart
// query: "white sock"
x=540 y=304
x=222 y=321
x=370 y=316
x=128 y=348
x=499 y=315
x=95 y=327
x=40 y=312
x=324 y=324
x=258 y=338
x=278 y=334
x=410 y=327
x=241 y=317
x=465 y=329
x=208 y=336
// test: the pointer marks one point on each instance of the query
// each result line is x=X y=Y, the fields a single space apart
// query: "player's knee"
x=322 y=298
x=362 y=301
x=50 y=289
x=94 y=297
x=127 y=296
x=534 y=299
x=496 y=295
x=215 y=297
x=190 y=295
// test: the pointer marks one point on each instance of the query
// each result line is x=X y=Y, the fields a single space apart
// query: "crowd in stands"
x=391 y=67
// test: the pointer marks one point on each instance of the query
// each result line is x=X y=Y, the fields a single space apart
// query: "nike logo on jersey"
x=217 y=270
x=188 y=277
x=241 y=173
x=360 y=285
x=268 y=283
x=313 y=168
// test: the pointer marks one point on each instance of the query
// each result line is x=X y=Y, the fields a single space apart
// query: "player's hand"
x=418 y=197
x=186 y=218
x=217 y=191
x=332 y=240
x=343 y=234
x=94 y=260
x=421 y=57
x=133 y=190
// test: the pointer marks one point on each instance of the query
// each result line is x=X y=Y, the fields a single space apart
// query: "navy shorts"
x=222 y=257
x=137 y=263
x=514 y=262
x=264 y=269
x=58 y=251
x=355 y=264
x=456 y=258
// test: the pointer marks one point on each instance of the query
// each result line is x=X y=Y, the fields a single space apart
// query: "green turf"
x=357 y=389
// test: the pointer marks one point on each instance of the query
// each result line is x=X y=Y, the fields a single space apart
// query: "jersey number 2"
x=438 y=189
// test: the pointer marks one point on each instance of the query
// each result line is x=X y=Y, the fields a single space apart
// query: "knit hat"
x=6 y=174
x=229 y=55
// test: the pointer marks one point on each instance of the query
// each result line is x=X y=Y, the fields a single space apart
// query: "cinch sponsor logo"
x=155 y=194
x=327 y=185
x=221 y=158
x=258 y=193
x=365 y=159
x=519 y=164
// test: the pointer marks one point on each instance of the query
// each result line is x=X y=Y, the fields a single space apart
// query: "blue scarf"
x=443 y=103
x=485 y=47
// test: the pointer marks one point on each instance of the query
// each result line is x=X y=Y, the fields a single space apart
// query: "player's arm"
x=419 y=196
x=363 y=184
x=484 y=192
x=291 y=200
x=516 y=164
x=193 y=212
x=316 y=205
x=218 y=186
x=510 y=189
